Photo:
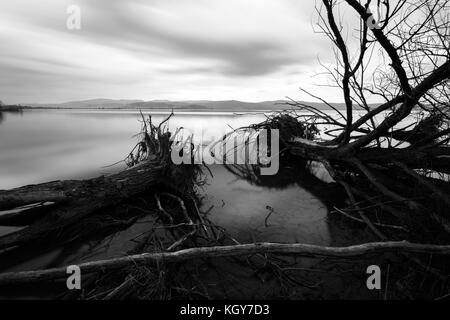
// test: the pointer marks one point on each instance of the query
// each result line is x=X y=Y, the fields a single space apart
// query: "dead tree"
x=49 y=208
x=380 y=158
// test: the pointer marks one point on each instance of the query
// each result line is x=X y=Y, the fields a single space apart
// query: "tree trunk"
x=76 y=199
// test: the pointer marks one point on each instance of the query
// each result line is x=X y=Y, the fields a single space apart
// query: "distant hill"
x=88 y=104
x=192 y=105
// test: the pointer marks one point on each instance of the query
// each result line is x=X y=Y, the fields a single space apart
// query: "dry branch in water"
x=225 y=251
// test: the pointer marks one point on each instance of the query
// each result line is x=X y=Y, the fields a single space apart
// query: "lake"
x=44 y=145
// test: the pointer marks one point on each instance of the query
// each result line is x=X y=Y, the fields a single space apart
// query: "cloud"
x=194 y=47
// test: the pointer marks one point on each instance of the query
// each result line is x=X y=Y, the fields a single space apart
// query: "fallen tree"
x=393 y=156
x=65 y=203
x=297 y=249
x=77 y=199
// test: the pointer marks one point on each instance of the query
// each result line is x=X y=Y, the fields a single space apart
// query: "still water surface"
x=44 y=145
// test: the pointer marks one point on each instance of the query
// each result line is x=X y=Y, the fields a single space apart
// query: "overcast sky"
x=251 y=50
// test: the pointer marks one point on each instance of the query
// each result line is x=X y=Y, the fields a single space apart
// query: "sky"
x=249 y=50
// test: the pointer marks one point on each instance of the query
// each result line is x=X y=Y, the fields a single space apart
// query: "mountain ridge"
x=194 y=105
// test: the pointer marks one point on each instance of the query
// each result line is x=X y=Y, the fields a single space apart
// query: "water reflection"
x=45 y=145
x=298 y=200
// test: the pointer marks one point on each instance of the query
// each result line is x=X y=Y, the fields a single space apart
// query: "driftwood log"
x=74 y=199
x=307 y=250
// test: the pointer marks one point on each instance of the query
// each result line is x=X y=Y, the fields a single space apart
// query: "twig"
x=179 y=242
x=267 y=217
x=158 y=203
x=120 y=289
x=345 y=214
x=182 y=205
